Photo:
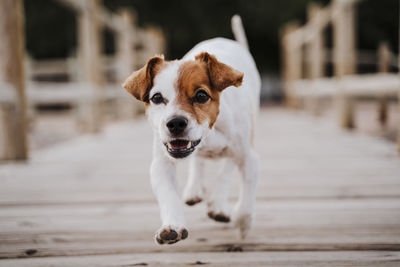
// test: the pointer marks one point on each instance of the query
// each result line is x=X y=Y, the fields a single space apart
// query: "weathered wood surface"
x=13 y=132
x=325 y=198
x=365 y=85
x=90 y=49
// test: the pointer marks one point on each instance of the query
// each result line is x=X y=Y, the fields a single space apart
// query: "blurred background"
x=55 y=55
x=185 y=23
x=75 y=147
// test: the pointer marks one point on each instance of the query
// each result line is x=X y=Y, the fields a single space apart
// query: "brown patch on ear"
x=220 y=74
x=140 y=82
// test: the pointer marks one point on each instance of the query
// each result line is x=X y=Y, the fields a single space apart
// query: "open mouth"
x=180 y=148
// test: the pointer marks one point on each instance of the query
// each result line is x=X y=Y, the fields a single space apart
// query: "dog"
x=203 y=106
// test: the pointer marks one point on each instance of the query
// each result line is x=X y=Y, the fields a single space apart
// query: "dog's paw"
x=193 y=195
x=218 y=211
x=169 y=235
x=243 y=221
x=193 y=201
x=219 y=217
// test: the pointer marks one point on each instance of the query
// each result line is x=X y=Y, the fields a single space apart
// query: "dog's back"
x=238 y=103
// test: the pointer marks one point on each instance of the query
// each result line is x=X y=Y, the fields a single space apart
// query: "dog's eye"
x=157 y=98
x=201 y=97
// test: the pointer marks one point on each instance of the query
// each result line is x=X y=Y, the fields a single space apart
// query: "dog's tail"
x=238 y=31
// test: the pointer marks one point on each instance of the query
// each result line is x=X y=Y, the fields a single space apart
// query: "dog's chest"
x=216 y=146
x=209 y=152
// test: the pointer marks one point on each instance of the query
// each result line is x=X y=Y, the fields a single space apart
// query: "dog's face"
x=182 y=98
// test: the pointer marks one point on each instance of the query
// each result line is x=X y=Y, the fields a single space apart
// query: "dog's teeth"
x=189 y=145
x=169 y=145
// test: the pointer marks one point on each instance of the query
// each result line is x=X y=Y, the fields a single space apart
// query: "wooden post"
x=30 y=106
x=398 y=99
x=384 y=56
x=315 y=54
x=90 y=109
x=292 y=63
x=13 y=128
x=315 y=49
x=344 y=54
x=152 y=42
x=383 y=67
x=126 y=52
x=127 y=61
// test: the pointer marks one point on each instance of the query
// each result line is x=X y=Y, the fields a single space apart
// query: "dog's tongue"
x=179 y=144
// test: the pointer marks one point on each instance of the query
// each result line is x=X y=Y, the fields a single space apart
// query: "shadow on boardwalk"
x=325 y=197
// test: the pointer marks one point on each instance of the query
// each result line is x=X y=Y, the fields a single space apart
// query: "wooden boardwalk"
x=325 y=198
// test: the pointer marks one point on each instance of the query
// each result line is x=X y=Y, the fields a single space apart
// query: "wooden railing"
x=92 y=80
x=305 y=56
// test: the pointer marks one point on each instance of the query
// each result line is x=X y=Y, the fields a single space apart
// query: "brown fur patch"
x=208 y=74
x=140 y=82
x=192 y=78
x=220 y=74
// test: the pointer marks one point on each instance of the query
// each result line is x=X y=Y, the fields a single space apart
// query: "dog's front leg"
x=194 y=190
x=163 y=172
x=218 y=205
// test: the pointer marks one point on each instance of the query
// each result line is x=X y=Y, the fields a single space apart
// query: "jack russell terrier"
x=202 y=106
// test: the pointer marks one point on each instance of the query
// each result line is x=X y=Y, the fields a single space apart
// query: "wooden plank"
x=76 y=5
x=129 y=227
x=305 y=258
x=366 y=85
x=367 y=168
x=72 y=93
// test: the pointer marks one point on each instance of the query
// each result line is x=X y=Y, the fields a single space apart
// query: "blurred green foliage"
x=51 y=28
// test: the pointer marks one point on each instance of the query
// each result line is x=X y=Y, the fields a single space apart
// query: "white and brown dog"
x=203 y=106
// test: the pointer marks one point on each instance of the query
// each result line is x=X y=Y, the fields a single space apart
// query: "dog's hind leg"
x=243 y=211
x=218 y=206
x=194 y=189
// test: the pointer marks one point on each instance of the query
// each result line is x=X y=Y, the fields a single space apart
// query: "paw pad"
x=167 y=235
x=193 y=201
x=219 y=217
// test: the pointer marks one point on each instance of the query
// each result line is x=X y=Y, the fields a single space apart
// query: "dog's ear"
x=140 y=82
x=220 y=74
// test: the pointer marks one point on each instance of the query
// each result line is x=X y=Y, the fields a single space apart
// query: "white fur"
x=230 y=137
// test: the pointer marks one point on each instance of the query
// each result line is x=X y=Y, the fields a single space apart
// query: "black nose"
x=177 y=125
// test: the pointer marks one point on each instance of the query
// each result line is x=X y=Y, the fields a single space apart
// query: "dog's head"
x=182 y=98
